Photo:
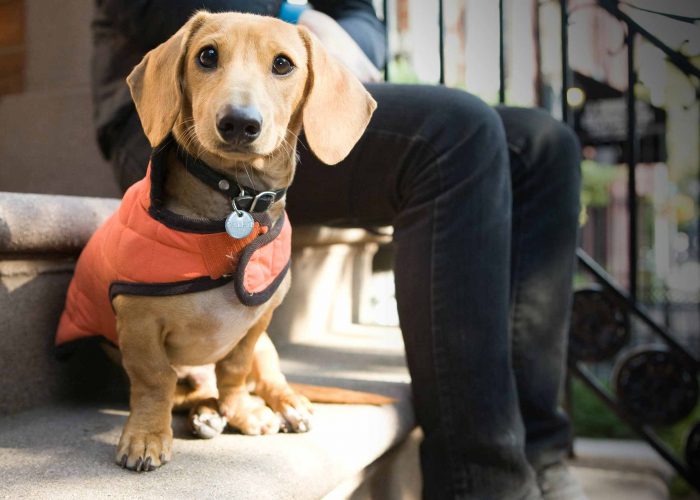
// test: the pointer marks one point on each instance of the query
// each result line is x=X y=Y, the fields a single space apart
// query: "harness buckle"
x=267 y=197
x=243 y=200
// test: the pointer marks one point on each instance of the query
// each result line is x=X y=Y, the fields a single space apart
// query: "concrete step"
x=603 y=484
x=65 y=418
x=67 y=451
x=621 y=455
x=40 y=236
x=621 y=469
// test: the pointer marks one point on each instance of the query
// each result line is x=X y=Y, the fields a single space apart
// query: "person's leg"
x=546 y=185
x=434 y=163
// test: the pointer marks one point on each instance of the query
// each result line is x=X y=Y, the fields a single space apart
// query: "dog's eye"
x=282 y=66
x=208 y=58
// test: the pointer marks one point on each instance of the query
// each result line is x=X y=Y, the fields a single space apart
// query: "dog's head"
x=240 y=86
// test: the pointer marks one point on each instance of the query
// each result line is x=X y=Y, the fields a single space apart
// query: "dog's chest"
x=210 y=324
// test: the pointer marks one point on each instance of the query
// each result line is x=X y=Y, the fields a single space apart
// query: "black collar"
x=245 y=198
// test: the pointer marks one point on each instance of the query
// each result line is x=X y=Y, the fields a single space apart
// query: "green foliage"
x=595 y=186
x=596 y=181
x=592 y=418
x=400 y=71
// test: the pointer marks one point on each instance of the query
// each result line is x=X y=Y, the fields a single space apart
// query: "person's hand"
x=340 y=45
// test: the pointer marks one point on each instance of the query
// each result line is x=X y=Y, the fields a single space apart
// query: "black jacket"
x=124 y=30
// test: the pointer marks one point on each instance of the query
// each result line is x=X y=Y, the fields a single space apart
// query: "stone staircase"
x=62 y=419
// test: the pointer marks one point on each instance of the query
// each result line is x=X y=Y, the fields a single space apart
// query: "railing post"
x=441 y=23
x=385 y=13
x=632 y=145
x=565 y=71
x=501 y=56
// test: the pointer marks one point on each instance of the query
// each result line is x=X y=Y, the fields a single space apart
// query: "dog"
x=225 y=98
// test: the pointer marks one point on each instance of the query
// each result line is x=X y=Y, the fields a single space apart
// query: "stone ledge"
x=40 y=224
x=324 y=236
x=67 y=451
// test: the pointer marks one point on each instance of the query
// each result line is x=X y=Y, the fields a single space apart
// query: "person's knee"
x=558 y=140
x=553 y=154
x=457 y=117
x=467 y=136
x=541 y=139
x=548 y=149
x=562 y=157
x=450 y=137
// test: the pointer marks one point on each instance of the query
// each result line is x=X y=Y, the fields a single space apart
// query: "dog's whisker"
x=191 y=139
x=250 y=178
x=289 y=149
x=299 y=141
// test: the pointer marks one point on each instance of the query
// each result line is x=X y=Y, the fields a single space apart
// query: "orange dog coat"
x=144 y=249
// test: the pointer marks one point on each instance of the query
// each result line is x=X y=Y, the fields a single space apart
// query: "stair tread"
x=63 y=451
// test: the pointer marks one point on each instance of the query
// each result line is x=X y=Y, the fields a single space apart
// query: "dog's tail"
x=336 y=395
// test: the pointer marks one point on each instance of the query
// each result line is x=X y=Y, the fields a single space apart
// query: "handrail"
x=679 y=60
x=642 y=313
x=646 y=431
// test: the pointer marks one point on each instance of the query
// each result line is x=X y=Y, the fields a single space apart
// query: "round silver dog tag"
x=239 y=224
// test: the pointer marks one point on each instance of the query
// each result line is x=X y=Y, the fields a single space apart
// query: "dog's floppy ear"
x=156 y=82
x=337 y=108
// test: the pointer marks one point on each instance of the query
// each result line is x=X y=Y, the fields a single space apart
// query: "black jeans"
x=485 y=207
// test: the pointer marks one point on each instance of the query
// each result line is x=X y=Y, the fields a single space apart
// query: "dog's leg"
x=196 y=393
x=187 y=397
x=147 y=438
x=194 y=385
x=241 y=410
x=272 y=386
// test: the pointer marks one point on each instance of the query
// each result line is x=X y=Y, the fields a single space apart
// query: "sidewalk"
x=620 y=470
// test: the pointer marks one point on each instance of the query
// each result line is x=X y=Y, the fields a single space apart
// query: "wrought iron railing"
x=654 y=385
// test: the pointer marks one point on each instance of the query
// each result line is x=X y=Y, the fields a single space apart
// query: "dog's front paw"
x=144 y=451
x=249 y=415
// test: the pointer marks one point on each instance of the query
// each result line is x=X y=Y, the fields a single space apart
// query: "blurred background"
x=667 y=116
x=623 y=74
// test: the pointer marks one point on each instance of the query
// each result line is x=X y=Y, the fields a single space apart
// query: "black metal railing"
x=653 y=385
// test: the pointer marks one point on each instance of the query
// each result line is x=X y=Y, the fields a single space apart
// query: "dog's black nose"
x=239 y=125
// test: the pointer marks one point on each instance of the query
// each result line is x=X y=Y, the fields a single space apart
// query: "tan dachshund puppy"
x=217 y=70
